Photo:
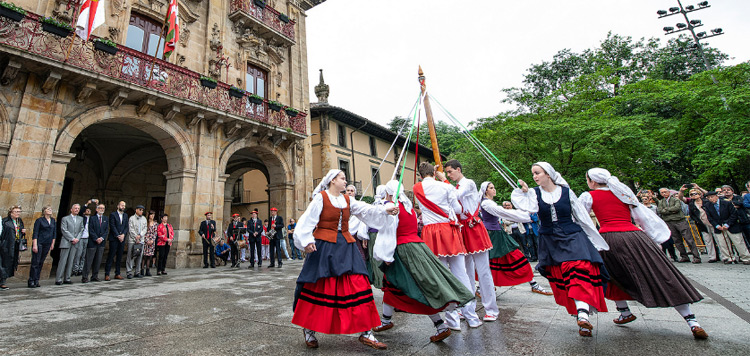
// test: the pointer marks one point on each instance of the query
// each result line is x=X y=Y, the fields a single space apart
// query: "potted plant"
x=274 y=105
x=236 y=92
x=260 y=3
x=255 y=99
x=208 y=82
x=57 y=28
x=284 y=18
x=292 y=112
x=105 y=45
x=11 y=11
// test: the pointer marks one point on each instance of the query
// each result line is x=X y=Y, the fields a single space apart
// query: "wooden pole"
x=430 y=122
x=76 y=14
x=156 y=53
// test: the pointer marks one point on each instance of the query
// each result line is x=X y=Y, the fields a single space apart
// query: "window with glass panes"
x=255 y=81
x=144 y=35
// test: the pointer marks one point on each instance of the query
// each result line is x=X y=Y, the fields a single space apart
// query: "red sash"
x=419 y=193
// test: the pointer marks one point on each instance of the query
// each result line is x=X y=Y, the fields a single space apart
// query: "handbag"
x=138 y=248
x=22 y=245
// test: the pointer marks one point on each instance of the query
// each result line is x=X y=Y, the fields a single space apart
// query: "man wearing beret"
x=275 y=234
x=207 y=232
x=233 y=232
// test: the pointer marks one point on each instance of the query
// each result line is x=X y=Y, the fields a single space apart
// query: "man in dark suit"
x=275 y=234
x=207 y=231
x=98 y=232
x=255 y=229
x=118 y=229
x=233 y=233
x=723 y=216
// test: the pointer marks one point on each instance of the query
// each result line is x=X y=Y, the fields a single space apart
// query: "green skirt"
x=502 y=243
x=417 y=274
x=376 y=275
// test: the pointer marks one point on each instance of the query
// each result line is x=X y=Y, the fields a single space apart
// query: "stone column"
x=178 y=204
x=281 y=196
x=223 y=203
x=325 y=146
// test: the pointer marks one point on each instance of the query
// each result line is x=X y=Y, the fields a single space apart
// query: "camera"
x=689 y=185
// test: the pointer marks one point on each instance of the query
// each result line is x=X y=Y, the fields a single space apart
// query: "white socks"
x=622 y=307
x=684 y=310
x=583 y=309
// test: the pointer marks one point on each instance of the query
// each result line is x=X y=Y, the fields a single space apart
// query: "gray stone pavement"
x=226 y=311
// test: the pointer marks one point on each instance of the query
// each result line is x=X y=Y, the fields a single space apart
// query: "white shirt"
x=357 y=227
x=508 y=214
x=468 y=196
x=444 y=196
x=120 y=214
x=85 y=234
x=528 y=202
x=373 y=216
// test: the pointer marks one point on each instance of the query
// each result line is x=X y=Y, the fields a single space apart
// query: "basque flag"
x=173 y=28
x=91 y=16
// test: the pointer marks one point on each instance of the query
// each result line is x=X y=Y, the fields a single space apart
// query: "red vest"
x=327 y=228
x=613 y=215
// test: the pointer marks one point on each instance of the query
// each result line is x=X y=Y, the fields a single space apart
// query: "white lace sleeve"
x=525 y=201
x=586 y=201
x=509 y=214
x=303 y=232
x=583 y=219
x=373 y=216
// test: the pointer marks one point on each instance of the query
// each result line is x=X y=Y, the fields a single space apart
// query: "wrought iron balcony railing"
x=267 y=16
x=137 y=68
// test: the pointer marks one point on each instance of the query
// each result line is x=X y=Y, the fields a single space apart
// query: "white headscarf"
x=483 y=189
x=326 y=181
x=379 y=194
x=621 y=191
x=556 y=177
x=390 y=189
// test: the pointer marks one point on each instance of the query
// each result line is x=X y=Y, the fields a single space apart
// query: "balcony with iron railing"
x=266 y=20
x=137 y=70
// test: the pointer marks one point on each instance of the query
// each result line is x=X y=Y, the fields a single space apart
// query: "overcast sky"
x=471 y=49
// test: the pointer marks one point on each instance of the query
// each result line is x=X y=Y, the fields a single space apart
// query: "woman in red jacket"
x=164 y=237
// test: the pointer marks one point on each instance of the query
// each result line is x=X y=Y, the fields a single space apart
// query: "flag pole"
x=156 y=53
x=430 y=122
x=77 y=13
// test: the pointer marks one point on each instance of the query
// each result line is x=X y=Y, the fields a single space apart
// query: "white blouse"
x=528 y=202
x=373 y=216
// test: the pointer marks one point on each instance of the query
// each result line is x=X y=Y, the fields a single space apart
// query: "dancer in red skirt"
x=639 y=270
x=333 y=294
x=568 y=255
x=442 y=234
x=414 y=280
x=508 y=264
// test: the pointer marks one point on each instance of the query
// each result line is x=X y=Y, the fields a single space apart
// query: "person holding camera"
x=670 y=210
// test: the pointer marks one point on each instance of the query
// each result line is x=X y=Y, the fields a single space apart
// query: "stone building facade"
x=344 y=140
x=79 y=123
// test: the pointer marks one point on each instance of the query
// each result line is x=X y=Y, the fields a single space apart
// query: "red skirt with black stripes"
x=577 y=280
x=337 y=305
x=511 y=269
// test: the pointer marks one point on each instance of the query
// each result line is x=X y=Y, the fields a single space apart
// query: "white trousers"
x=457 y=265
x=480 y=263
x=726 y=239
x=708 y=240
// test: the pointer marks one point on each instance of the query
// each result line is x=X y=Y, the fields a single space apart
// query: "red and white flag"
x=173 y=28
x=91 y=17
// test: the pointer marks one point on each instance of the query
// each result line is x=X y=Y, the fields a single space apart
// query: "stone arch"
x=175 y=142
x=273 y=158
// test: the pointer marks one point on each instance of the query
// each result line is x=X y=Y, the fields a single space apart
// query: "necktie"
x=100 y=219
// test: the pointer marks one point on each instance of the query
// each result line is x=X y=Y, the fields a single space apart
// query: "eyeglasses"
x=694 y=194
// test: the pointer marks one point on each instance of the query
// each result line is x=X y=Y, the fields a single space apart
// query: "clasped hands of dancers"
x=435 y=273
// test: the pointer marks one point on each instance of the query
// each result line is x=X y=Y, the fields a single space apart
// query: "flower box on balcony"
x=236 y=92
x=255 y=99
x=106 y=46
x=207 y=82
x=260 y=3
x=284 y=18
x=12 y=11
x=274 y=105
x=291 y=112
x=55 y=27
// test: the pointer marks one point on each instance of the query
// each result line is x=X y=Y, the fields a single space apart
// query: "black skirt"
x=639 y=268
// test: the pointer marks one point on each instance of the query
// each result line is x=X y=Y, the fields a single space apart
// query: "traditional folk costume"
x=333 y=294
x=358 y=230
x=568 y=255
x=478 y=245
x=638 y=269
x=373 y=267
x=508 y=264
x=442 y=235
